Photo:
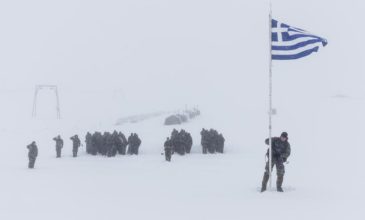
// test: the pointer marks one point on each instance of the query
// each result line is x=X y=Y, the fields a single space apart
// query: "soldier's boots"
x=279 y=183
x=265 y=179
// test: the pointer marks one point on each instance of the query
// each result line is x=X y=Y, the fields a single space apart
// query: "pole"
x=270 y=96
x=58 y=104
x=34 y=112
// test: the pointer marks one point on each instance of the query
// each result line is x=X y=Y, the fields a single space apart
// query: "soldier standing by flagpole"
x=285 y=43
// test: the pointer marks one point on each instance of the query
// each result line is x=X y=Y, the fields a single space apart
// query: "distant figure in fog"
x=32 y=154
x=75 y=145
x=168 y=149
x=133 y=144
x=59 y=145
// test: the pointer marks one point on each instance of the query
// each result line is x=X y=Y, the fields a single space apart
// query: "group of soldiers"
x=76 y=143
x=212 y=141
x=111 y=144
x=107 y=144
x=33 y=149
x=179 y=142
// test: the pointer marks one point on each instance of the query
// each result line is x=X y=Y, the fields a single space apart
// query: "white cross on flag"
x=289 y=43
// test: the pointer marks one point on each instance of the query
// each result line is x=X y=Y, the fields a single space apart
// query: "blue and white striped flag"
x=289 y=43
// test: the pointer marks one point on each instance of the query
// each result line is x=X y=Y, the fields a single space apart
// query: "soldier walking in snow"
x=168 y=149
x=280 y=152
x=32 y=154
x=59 y=145
x=75 y=145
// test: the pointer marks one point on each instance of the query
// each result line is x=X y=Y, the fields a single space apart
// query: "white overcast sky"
x=156 y=46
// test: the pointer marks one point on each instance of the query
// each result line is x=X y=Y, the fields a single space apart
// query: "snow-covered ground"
x=323 y=180
x=115 y=59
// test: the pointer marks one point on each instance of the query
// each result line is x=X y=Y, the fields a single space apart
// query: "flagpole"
x=270 y=96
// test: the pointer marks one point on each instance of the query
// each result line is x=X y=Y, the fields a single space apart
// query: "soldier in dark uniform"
x=174 y=140
x=183 y=141
x=280 y=153
x=179 y=146
x=99 y=143
x=75 y=145
x=95 y=143
x=59 y=145
x=130 y=144
x=124 y=143
x=189 y=142
x=109 y=143
x=137 y=144
x=117 y=142
x=133 y=144
x=105 y=144
x=204 y=140
x=88 y=141
x=212 y=142
x=220 y=144
x=32 y=154
x=168 y=149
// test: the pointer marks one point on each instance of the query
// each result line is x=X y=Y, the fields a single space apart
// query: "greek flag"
x=289 y=43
